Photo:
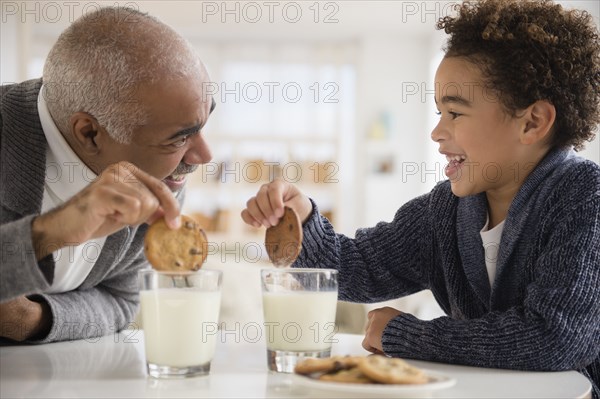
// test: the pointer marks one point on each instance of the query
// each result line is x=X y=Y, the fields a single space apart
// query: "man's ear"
x=86 y=131
x=538 y=119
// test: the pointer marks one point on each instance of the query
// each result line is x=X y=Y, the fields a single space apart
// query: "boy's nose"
x=438 y=133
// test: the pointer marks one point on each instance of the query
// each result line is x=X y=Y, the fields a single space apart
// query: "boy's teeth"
x=456 y=158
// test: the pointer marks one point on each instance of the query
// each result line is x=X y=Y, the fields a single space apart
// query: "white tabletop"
x=114 y=366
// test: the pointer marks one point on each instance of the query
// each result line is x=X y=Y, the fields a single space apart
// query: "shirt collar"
x=66 y=173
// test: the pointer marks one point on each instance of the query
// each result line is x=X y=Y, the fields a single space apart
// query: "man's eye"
x=179 y=143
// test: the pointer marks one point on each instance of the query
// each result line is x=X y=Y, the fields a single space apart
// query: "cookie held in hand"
x=284 y=240
x=176 y=250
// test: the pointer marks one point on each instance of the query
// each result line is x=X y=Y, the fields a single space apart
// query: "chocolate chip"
x=189 y=225
x=195 y=251
x=178 y=263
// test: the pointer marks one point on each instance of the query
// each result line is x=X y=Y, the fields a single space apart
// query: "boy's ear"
x=86 y=132
x=538 y=121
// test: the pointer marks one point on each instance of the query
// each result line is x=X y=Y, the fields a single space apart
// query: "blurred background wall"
x=334 y=95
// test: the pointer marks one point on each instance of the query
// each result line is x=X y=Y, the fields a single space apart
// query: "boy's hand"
x=266 y=208
x=377 y=320
x=122 y=195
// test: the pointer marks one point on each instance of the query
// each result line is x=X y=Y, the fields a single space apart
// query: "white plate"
x=436 y=381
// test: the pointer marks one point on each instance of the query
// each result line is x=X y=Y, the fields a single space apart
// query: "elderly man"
x=89 y=154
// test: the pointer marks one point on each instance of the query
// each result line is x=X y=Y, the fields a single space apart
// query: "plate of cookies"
x=369 y=375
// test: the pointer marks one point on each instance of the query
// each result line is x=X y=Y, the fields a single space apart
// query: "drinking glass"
x=299 y=307
x=180 y=315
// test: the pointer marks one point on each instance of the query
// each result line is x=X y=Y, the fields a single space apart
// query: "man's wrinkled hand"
x=22 y=319
x=377 y=320
x=123 y=195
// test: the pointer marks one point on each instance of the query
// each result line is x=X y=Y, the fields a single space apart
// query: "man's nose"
x=199 y=152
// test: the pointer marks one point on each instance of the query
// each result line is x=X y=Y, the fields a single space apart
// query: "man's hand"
x=377 y=320
x=266 y=208
x=22 y=319
x=122 y=195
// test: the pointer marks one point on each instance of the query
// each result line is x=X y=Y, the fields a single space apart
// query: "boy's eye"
x=452 y=114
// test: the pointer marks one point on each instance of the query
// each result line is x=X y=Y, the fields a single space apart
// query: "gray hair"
x=99 y=62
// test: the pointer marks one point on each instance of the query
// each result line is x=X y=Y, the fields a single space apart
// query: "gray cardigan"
x=543 y=312
x=107 y=300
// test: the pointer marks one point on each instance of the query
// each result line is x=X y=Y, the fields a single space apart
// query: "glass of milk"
x=299 y=309
x=180 y=315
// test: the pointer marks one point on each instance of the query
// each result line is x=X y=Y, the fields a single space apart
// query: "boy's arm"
x=384 y=262
x=557 y=327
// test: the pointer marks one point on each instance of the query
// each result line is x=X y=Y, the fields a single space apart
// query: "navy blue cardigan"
x=543 y=312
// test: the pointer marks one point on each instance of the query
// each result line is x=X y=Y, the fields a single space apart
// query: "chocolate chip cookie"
x=176 y=250
x=284 y=240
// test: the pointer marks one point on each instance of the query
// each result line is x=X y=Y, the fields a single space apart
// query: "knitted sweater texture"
x=543 y=311
x=107 y=300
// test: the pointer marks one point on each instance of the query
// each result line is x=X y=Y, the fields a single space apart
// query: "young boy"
x=517 y=91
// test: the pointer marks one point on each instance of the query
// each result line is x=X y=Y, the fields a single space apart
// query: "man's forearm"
x=43 y=242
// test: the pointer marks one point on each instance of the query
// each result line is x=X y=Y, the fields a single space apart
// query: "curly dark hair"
x=530 y=50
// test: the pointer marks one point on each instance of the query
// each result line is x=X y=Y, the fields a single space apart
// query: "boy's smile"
x=487 y=149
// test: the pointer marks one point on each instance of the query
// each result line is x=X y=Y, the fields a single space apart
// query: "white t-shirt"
x=66 y=175
x=491 y=245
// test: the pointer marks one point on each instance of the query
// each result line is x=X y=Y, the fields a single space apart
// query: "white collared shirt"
x=491 y=245
x=66 y=175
